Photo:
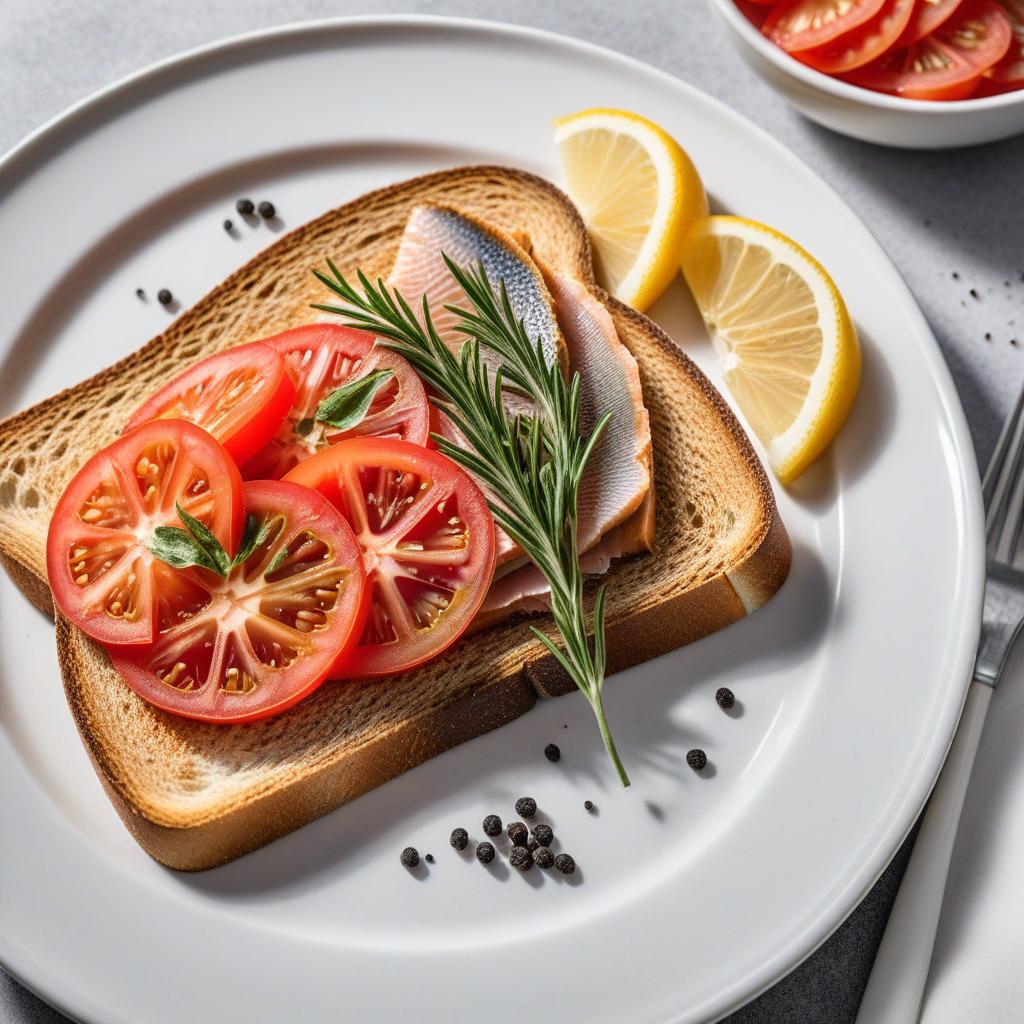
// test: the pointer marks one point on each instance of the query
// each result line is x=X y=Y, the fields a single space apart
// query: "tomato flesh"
x=804 y=24
x=320 y=359
x=252 y=645
x=240 y=396
x=861 y=45
x=103 y=577
x=946 y=65
x=927 y=17
x=1008 y=73
x=428 y=546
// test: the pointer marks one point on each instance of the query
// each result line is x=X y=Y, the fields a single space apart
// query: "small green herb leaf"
x=277 y=561
x=255 y=533
x=179 y=548
x=206 y=540
x=347 y=406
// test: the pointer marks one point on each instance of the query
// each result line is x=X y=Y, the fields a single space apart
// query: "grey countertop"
x=935 y=213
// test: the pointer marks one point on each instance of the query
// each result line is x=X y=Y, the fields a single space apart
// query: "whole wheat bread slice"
x=196 y=795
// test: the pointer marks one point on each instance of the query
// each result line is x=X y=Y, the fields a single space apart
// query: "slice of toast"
x=198 y=795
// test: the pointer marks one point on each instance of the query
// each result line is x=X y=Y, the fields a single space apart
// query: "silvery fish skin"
x=419 y=271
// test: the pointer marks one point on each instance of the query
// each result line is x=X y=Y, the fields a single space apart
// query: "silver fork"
x=896 y=987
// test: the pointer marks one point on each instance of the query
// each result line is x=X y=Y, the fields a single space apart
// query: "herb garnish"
x=196 y=545
x=349 y=404
x=531 y=464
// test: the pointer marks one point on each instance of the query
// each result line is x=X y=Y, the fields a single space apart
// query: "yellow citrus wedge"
x=639 y=194
x=788 y=347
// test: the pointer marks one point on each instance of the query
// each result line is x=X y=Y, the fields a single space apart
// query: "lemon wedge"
x=639 y=194
x=788 y=347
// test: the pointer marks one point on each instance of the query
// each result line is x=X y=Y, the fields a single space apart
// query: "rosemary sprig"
x=531 y=464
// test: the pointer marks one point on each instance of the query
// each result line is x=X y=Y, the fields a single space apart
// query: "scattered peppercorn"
x=725 y=697
x=410 y=857
x=429 y=858
x=229 y=225
x=164 y=296
x=485 y=853
x=566 y=726
x=588 y=805
x=140 y=292
x=526 y=806
x=565 y=864
x=517 y=832
x=552 y=753
x=245 y=207
x=697 y=759
x=266 y=210
x=956 y=276
x=459 y=838
x=988 y=336
x=543 y=857
x=543 y=834
x=1013 y=341
x=521 y=858
x=492 y=825
x=974 y=293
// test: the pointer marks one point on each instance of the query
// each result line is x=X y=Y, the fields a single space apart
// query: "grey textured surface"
x=936 y=213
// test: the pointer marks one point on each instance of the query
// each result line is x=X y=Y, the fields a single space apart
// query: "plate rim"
x=832 y=912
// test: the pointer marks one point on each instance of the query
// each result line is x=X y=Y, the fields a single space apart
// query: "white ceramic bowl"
x=872 y=116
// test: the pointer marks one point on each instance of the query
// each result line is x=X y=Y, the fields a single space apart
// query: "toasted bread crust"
x=198 y=795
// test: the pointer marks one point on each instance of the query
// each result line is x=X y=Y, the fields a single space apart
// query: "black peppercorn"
x=164 y=296
x=543 y=857
x=521 y=858
x=697 y=759
x=517 y=832
x=266 y=210
x=492 y=825
x=526 y=806
x=459 y=838
x=429 y=858
x=485 y=853
x=229 y=225
x=543 y=834
x=552 y=753
x=410 y=857
x=725 y=697
x=245 y=207
x=140 y=292
x=588 y=805
x=565 y=864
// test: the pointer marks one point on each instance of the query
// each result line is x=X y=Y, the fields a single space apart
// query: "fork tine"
x=1002 y=489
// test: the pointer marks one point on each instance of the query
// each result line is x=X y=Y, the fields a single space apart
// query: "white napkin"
x=977 y=970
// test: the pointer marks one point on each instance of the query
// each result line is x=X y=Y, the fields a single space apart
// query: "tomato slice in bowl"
x=927 y=17
x=804 y=24
x=322 y=358
x=240 y=648
x=102 y=574
x=240 y=396
x=428 y=545
x=1008 y=74
x=949 y=63
x=861 y=45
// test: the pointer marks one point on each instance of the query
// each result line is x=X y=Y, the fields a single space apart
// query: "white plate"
x=694 y=893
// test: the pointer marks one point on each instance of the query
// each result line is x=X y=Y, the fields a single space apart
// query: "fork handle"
x=896 y=987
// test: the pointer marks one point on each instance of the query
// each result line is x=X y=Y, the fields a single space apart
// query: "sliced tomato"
x=240 y=396
x=320 y=359
x=237 y=649
x=948 y=64
x=428 y=542
x=927 y=17
x=804 y=24
x=861 y=45
x=102 y=574
x=1008 y=74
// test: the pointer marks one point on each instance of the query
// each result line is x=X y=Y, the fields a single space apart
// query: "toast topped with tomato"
x=196 y=794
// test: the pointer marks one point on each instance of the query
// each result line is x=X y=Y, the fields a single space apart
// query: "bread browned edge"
x=640 y=627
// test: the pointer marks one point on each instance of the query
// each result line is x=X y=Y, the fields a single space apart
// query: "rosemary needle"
x=532 y=465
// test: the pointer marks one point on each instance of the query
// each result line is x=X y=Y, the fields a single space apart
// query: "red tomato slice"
x=102 y=575
x=237 y=649
x=927 y=17
x=240 y=396
x=755 y=11
x=1008 y=74
x=428 y=542
x=804 y=24
x=948 y=64
x=321 y=358
x=861 y=45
